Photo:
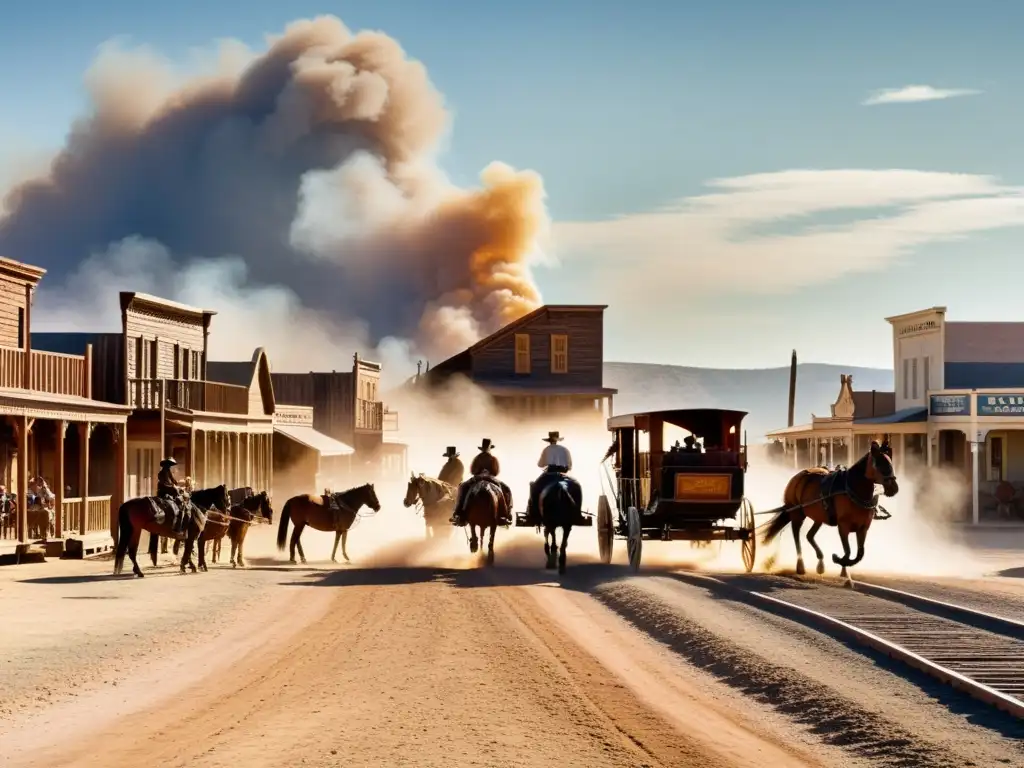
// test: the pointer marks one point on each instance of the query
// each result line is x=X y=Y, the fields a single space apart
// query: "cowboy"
x=453 y=472
x=690 y=445
x=485 y=466
x=167 y=489
x=556 y=461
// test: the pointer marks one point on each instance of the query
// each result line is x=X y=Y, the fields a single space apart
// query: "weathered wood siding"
x=158 y=346
x=12 y=307
x=330 y=395
x=107 y=359
x=585 y=332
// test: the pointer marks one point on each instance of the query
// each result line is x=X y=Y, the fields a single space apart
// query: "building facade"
x=51 y=428
x=958 y=403
x=549 y=362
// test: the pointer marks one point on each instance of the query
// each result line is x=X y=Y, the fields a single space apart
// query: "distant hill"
x=763 y=393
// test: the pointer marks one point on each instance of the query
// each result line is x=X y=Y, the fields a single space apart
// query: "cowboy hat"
x=168 y=462
x=450 y=452
x=485 y=444
x=552 y=438
x=689 y=439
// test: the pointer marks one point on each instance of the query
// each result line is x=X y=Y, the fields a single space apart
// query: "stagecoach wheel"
x=605 y=535
x=634 y=544
x=749 y=543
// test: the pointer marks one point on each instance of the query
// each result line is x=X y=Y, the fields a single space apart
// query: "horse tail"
x=153 y=541
x=777 y=524
x=282 y=527
x=124 y=536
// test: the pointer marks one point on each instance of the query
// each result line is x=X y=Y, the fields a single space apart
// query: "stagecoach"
x=675 y=494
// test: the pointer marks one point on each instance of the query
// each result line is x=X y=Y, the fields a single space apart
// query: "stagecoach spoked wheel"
x=605 y=534
x=750 y=542
x=635 y=541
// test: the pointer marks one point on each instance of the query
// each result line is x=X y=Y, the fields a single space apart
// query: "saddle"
x=167 y=512
x=836 y=483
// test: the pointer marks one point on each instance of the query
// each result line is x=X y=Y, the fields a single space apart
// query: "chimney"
x=419 y=369
x=792 y=389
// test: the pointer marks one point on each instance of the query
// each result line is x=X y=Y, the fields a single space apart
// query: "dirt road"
x=425 y=666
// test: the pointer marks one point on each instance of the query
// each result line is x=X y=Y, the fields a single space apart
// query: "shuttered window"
x=559 y=353
x=522 y=353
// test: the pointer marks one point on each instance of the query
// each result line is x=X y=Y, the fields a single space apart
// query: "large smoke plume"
x=295 y=191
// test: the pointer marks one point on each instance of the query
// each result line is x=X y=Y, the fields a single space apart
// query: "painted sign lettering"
x=950 y=405
x=927 y=325
x=1001 y=405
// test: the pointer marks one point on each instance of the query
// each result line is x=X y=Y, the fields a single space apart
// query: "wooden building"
x=51 y=427
x=157 y=366
x=548 y=362
x=347 y=407
x=306 y=460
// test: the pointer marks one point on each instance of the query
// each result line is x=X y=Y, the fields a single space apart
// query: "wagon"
x=672 y=494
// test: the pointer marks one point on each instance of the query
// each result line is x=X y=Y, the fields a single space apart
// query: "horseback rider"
x=485 y=466
x=453 y=472
x=556 y=462
x=167 y=488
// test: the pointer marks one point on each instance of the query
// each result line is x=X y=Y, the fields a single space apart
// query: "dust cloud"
x=295 y=190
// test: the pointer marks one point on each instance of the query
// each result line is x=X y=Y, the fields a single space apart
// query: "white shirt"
x=555 y=455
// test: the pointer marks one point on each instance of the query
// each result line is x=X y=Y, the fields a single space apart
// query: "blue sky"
x=625 y=108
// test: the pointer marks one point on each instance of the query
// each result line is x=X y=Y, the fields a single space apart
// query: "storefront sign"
x=950 y=405
x=915 y=328
x=1001 y=405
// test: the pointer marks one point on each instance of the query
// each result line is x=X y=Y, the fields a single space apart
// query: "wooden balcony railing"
x=82 y=516
x=369 y=415
x=50 y=372
x=188 y=395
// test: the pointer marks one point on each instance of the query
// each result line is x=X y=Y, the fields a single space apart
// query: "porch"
x=305 y=460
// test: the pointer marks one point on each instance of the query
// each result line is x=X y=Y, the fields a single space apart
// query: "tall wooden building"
x=157 y=366
x=51 y=427
x=548 y=362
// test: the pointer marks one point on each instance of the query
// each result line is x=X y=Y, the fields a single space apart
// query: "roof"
x=800 y=428
x=916 y=313
x=872 y=404
x=916 y=413
x=129 y=298
x=21 y=270
x=527 y=388
x=318 y=441
x=511 y=328
x=700 y=421
x=243 y=374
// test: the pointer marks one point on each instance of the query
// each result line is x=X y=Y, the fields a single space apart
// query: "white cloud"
x=764 y=234
x=914 y=93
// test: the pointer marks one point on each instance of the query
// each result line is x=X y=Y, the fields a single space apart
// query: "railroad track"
x=977 y=653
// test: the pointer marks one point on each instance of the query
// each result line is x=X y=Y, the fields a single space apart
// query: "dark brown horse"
x=845 y=499
x=316 y=512
x=484 y=507
x=438 y=499
x=138 y=515
x=235 y=525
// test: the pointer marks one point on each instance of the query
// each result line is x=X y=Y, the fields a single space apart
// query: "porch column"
x=796 y=453
x=58 y=481
x=206 y=459
x=249 y=473
x=22 y=426
x=237 y=482
x=850 y=449
x=120 y=433
x=831 y=451
x=190 y=460
x=975 y=503
x=901 y=452
x=84 y=431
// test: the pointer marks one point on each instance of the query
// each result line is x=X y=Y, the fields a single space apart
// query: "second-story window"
x=522 y=361
x=559 y=353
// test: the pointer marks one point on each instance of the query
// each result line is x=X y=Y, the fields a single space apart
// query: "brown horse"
x=316 y=512
x=138 y=515
x=845 y=498
x=438 y=499
x=235 y=525
x=485 y=505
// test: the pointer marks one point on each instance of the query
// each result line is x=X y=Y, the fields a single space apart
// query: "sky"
x=733 y=179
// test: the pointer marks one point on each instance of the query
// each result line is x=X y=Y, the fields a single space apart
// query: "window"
x=179 y=372
x=21 y=327
x=522 y=353
x=913 y=376
x=196 y=373
x=906 y=379
x=927 y=375
x=996 y=469
x=559 y=353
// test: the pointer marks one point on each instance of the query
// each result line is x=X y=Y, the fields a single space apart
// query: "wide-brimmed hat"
x=553 y=437
x=485 y=444
x=168 y=462
x=689 y=439
x=450 y=452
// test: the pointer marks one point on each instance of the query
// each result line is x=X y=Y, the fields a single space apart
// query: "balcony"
x=188 y=395
x=49 y=372
x=369 y=415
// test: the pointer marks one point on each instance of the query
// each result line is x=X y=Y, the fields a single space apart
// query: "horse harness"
x=837 y=483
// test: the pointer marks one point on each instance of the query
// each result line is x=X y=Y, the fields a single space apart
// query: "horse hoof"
x=293 y=562
x=334 y=560
x=837 y=560
x=821 y=567
x=800 y=570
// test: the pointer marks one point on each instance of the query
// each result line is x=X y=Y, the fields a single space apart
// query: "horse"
x=845 y=499
x=561 y=505
x=138 y=515
x=438 y=499
x=483 y=506
x=315 y=512
x=235 y=525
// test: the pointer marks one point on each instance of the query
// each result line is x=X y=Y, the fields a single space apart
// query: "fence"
x=50 y=372
x=188 y=395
